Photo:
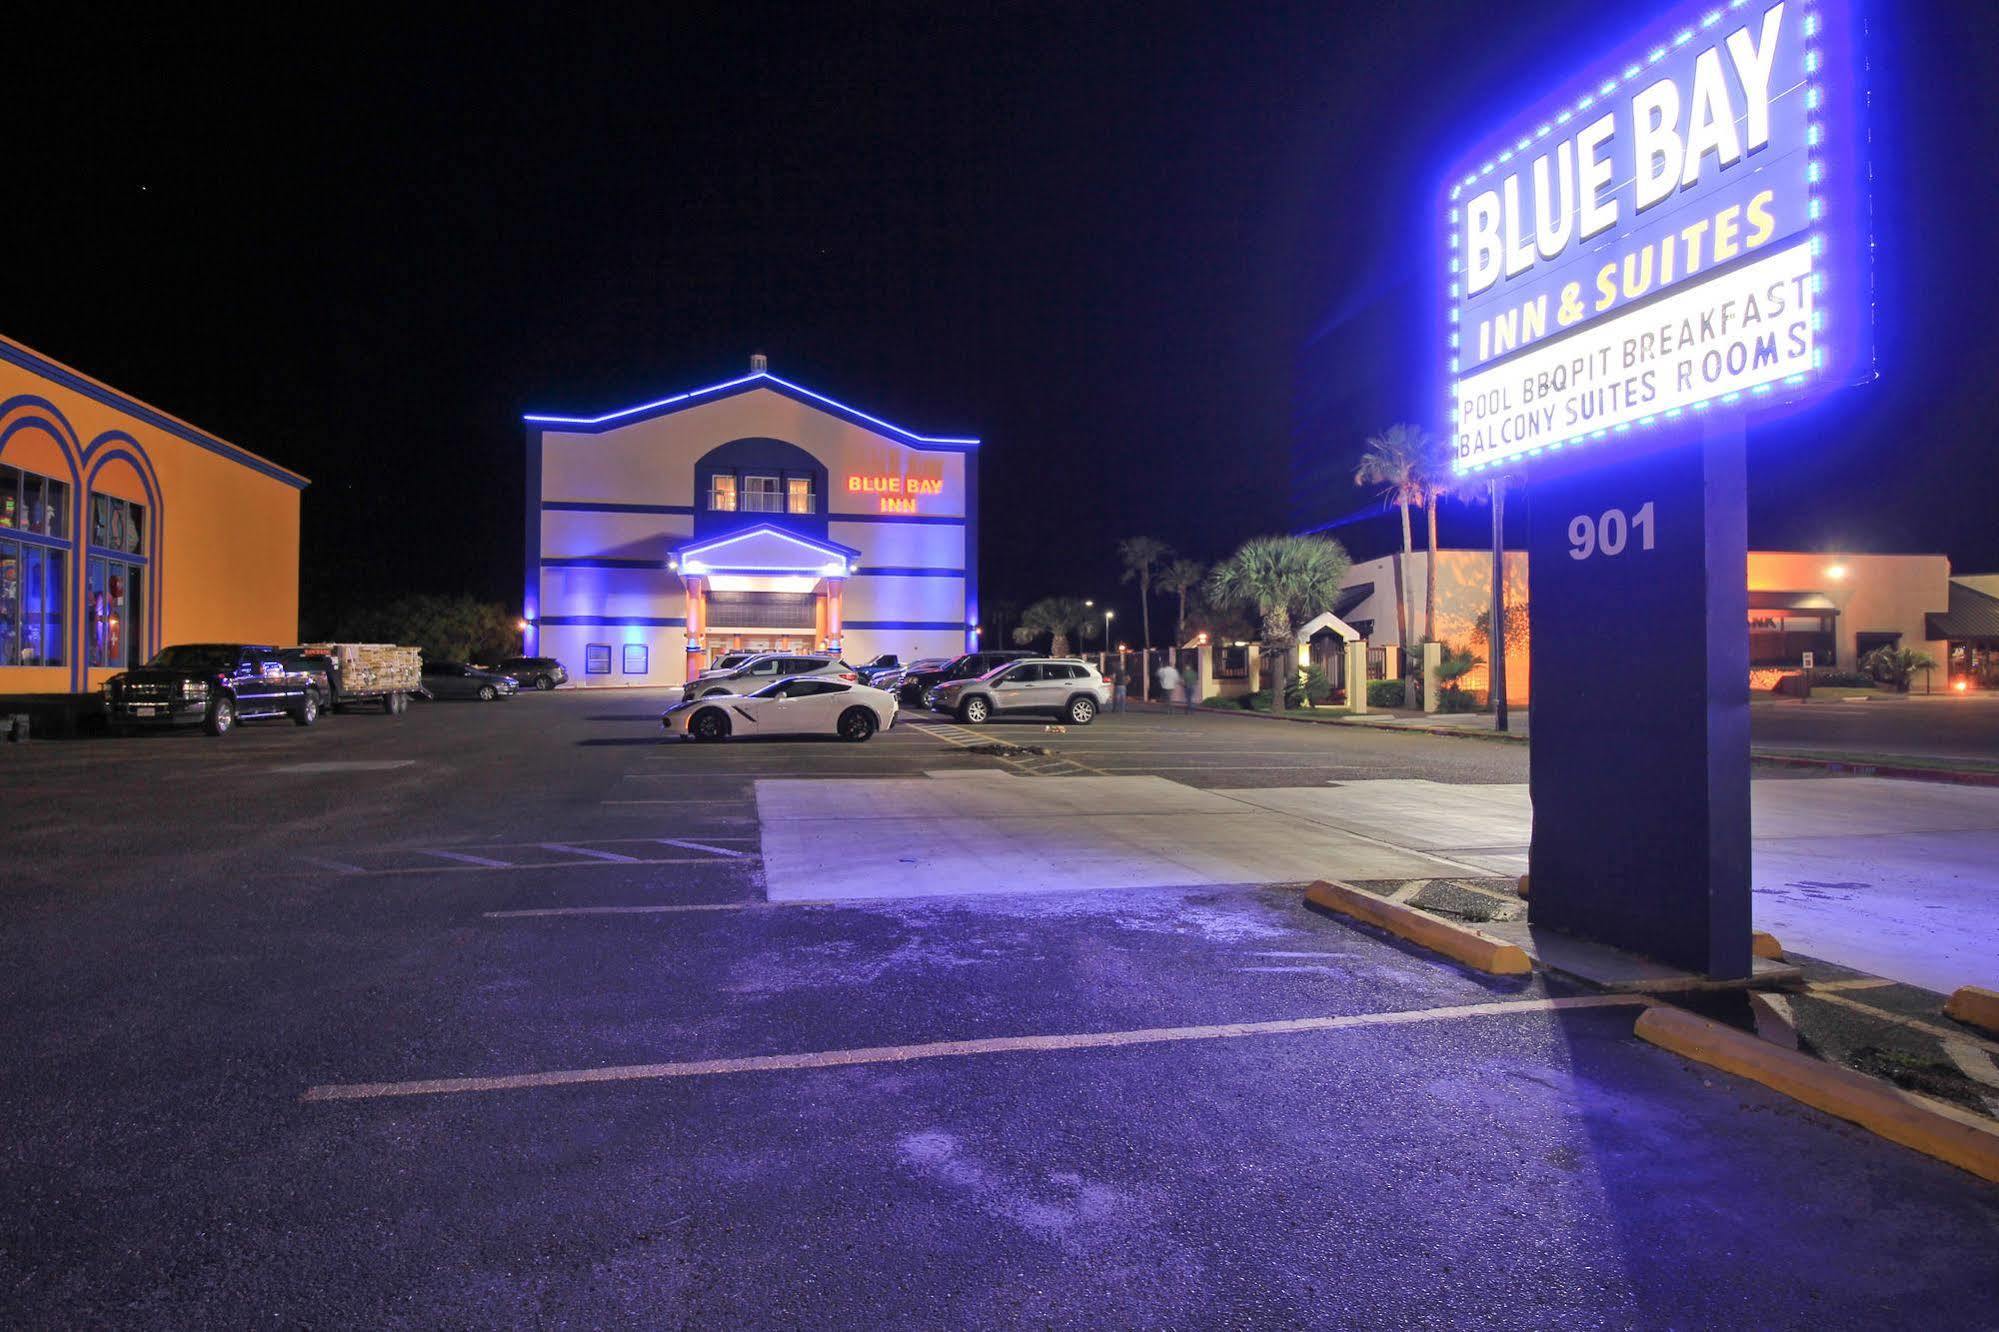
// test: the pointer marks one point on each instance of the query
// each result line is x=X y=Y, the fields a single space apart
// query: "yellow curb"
x=1479 y=951
x=1976 y=1005
x=1523 y=885
x=1930 y=1127
x=1765 y=945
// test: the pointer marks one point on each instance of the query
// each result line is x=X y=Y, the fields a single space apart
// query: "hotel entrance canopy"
x=763 y=579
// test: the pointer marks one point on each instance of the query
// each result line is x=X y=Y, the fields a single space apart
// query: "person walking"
x=1169 y=684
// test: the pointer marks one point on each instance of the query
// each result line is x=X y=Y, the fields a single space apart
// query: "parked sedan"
x=454 y=679
x=534 y=672
x=797 y=705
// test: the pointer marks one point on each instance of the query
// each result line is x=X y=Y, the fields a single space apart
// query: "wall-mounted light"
x=1836 y=572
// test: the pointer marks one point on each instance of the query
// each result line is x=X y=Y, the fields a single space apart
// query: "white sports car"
x=799 y=705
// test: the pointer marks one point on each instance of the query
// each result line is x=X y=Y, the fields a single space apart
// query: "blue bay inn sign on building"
x=750 y=515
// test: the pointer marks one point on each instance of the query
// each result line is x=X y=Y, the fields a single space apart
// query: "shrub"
x=1453 y=699
x=1385 y=694
x=1221 y=701
x=1318 y=686
x=1895 y=666
x=1840 y=680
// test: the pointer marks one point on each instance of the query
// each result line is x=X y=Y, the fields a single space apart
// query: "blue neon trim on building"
x=719 y=524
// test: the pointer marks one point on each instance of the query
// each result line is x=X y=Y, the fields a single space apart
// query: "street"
x=1963 y=730
x=513 y=1013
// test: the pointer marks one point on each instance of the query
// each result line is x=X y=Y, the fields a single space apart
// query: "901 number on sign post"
x=1610 y=532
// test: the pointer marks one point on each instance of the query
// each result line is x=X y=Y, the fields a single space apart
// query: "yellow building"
x=123 y=529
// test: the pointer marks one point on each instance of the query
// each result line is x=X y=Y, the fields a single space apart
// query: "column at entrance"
x=830 y=607
x=697 y=626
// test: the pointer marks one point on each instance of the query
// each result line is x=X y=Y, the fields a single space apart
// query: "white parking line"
x=463 y=858
x=731 y=800
x=339 y=866
x=700 y=846
x=888 y=1054
x=546 y=865
x=585 y=851
x=620 y=910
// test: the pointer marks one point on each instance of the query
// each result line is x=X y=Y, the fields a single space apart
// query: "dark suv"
x=213 y=684
x=968 y=667
x=533 y=672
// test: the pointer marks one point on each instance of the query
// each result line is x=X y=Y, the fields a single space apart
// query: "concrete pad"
x=1616 y=970
x=851 y=840
x=1420 y=814
x=1892 y=877
x=1923 y=909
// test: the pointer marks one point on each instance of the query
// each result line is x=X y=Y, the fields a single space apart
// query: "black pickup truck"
x=214 y=685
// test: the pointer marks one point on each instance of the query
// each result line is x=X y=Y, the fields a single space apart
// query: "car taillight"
x=850 y=677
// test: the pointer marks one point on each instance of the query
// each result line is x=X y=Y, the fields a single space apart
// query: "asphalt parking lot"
x=485 y=1015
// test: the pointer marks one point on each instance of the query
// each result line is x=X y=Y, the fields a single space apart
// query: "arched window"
x=115 y=583
x=750 y=481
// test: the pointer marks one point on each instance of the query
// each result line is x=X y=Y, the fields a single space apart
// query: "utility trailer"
x=358 y=674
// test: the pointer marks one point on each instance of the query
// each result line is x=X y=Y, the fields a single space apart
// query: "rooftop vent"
x=759 y=363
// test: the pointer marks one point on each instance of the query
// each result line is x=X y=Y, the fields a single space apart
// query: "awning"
x=1972 y=615
x=1350 y=598
x=1805 y=603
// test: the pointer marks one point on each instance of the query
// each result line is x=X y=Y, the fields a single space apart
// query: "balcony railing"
x=752 y=501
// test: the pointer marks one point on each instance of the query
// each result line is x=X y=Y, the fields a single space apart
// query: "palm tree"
x=1435 y=474
x=1057 y=617
x=1394 y=461
x=1141 y=556
x=1180 y=578
x=1286 y=580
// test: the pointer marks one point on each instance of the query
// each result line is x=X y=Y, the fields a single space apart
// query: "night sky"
x=1172 y=262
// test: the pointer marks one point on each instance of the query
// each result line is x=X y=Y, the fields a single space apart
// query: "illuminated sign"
x=896 y=494
x=1671 y=237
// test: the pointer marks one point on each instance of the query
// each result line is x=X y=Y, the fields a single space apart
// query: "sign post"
x=1640 y=650
x=1634 y=267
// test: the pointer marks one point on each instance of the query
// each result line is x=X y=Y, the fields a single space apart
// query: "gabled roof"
x=1972 y=614
x=1333 y=623
x=764 y=548
x=758 y=379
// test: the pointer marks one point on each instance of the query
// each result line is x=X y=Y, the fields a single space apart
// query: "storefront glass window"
x=31 y=603
x=637 y=659
x=798 y=494
x=722 y=493
x=761 y=494
x=113 y=599
x=596 y=658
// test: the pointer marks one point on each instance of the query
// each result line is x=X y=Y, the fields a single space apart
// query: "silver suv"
x=1056 y=687
x=762 y=669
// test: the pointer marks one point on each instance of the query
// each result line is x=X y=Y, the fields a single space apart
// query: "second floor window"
x=798 y=494
x=762 y=494
x=722 y=492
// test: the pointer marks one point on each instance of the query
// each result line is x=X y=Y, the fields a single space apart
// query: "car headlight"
x=194 y=689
